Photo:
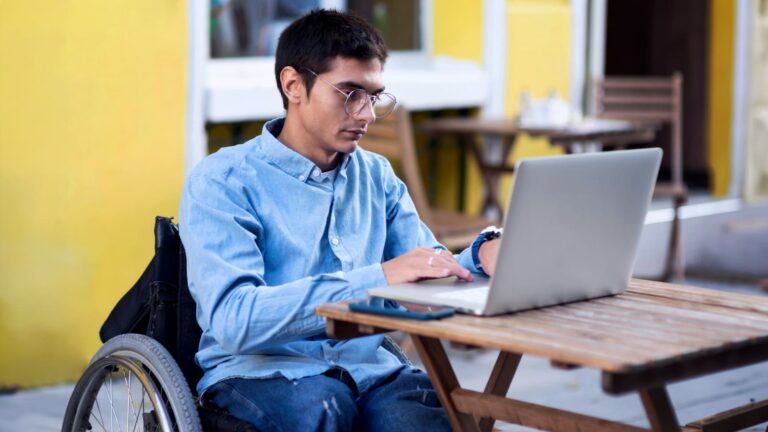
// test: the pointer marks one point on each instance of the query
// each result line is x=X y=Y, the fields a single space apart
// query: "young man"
x=300 y=216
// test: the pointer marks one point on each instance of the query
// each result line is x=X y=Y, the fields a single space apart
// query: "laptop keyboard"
x=473 y=295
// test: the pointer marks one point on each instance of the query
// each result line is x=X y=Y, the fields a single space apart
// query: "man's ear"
x=292 y=84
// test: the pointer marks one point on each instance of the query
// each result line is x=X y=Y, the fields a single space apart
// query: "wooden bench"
x=652 y=335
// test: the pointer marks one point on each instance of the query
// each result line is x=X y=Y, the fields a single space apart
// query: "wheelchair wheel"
x=132 y=384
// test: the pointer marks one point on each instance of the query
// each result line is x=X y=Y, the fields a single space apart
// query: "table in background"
x=507 y=130
x=650 y=336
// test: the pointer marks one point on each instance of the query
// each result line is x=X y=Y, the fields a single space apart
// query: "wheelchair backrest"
x=159 y=303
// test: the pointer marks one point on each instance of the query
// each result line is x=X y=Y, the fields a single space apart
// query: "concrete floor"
x=578 y=390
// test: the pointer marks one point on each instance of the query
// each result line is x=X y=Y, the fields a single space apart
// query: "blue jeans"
x=330 y=402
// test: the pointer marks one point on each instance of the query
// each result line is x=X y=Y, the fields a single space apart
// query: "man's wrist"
x=485 y=235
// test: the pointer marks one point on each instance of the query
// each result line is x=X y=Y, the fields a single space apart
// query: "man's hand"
x=488 y=253
x=423 y=263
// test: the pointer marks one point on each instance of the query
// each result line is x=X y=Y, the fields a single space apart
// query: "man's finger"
x=452 y=268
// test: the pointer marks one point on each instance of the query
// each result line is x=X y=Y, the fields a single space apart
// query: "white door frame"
x=740 y=97
x=195 y=140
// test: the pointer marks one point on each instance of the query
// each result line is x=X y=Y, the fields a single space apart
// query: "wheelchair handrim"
x=95 y=377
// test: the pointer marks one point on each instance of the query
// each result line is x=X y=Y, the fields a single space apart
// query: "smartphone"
x=380 y=306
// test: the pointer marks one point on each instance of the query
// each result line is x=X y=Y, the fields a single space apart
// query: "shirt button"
x=335 y=241
x=316 y=172
x=302 y=178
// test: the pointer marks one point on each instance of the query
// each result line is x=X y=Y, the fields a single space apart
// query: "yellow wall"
x=458 y=33
x=92 y=98
x=721 y=40
x=458 y=29
x=538 y=61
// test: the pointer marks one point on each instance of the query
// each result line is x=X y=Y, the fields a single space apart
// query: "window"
x=235 y=80
x=250 y=28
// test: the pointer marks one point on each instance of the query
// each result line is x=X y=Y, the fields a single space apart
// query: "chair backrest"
x=655 y=99
x=392 y=137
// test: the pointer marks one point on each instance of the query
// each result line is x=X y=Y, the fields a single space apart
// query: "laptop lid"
x=571 y=232
x=572 y=228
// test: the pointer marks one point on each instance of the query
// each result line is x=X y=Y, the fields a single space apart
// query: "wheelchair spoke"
x=130 y=409
x=128 y=363
x=113 y=418
x=111 y=405
x=141 y=410
x=98 y=409
x=128 y=402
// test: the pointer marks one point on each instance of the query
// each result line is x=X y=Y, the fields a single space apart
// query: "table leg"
x=444 y=380
x=490 y=179
x=461 y=190
x=489 y=404
x=499 y=381
x=490 y=171
x=660 y=412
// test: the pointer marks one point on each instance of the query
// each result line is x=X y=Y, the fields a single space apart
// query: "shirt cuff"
x=364 y=278
x=466 y=261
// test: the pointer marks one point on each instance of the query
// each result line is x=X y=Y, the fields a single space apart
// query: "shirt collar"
x=285 y=158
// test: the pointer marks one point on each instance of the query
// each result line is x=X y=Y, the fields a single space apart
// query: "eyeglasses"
x=383 y=103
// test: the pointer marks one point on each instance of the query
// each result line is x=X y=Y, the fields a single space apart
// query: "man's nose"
x=366 y=113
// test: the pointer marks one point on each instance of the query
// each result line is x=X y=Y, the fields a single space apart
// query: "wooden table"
x=607 y=132
x=651 y=335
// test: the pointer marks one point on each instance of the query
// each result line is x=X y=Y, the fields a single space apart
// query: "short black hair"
x=314 y=40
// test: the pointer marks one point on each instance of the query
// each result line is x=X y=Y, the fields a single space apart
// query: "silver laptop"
x=571 y=233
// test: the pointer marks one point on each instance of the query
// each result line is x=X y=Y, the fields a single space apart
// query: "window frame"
x=226 y=90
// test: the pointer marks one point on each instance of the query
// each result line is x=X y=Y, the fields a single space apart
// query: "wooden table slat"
x=520 y=335
x=577 y=330
x=635 y=320
x=565 y=332
x=700 y=295
x=687 y=320
x=664 y=340
x=632 y=350
x=703 y=312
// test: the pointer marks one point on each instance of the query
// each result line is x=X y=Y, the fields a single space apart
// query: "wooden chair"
x=652 y=99
x=392 y=137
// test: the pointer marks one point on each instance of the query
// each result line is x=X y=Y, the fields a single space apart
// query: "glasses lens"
x=357 y=100
x=384 y=105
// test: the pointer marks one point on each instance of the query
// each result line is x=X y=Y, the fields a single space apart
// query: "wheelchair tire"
x=165 y=404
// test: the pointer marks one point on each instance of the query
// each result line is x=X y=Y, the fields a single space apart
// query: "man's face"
x=322 y=114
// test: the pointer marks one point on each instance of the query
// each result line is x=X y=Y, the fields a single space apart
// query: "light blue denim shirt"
x=269 y=237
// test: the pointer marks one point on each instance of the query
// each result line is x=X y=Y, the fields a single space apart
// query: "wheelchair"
x=140 y=378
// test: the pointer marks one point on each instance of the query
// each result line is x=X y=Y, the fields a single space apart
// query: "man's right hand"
x=423 y=263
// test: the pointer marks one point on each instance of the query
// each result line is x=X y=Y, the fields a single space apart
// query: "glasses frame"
x=371 y=98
